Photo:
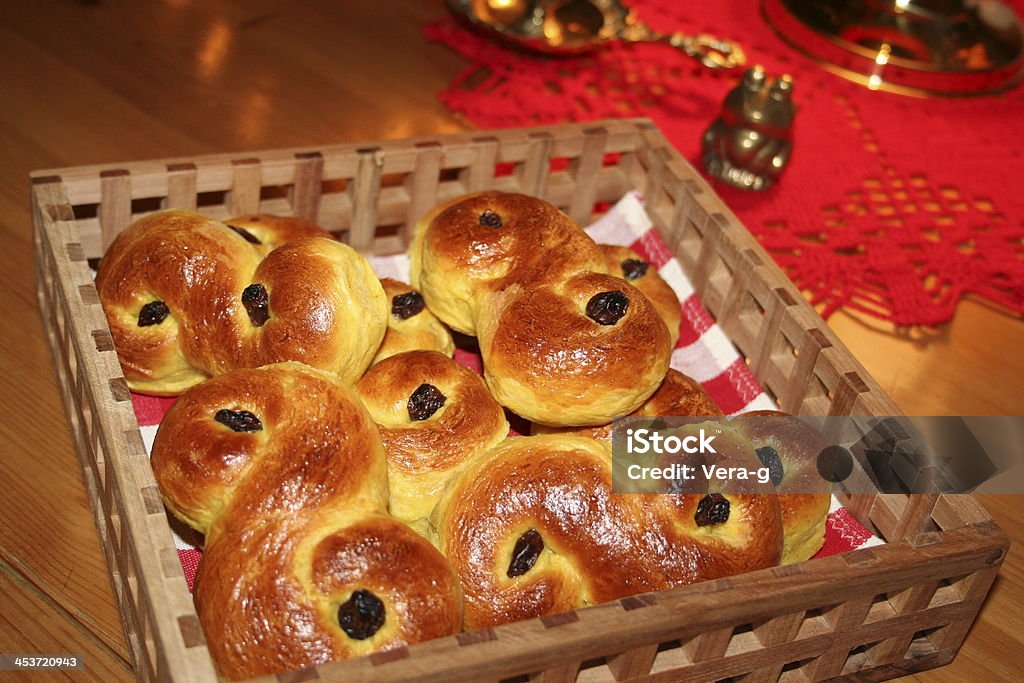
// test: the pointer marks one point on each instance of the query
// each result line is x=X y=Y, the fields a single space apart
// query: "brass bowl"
x=911 y=47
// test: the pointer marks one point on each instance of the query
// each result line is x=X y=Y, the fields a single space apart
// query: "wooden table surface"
x=93 y=82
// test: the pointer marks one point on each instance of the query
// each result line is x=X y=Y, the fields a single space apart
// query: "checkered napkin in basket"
x=703 y=352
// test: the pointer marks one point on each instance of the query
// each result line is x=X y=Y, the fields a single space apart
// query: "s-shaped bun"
x=533 y=528
x=188 y=298
x=283 y=470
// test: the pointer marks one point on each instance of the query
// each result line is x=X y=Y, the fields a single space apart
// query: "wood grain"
x=101 y=82
x=30 y=622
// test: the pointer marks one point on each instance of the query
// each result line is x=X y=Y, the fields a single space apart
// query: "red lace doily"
x=892 y=206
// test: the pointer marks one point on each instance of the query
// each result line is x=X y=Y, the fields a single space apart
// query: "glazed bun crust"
x=594 y=545
x=327 y=308
x=154 y=260
x=803 y=494
x=267 y=232
x=678 y=396
x=486 y=242
x=205 y=469
x=548 y=361
x=283 y=470
x=411 y=325
x=625 y=263
x=423 y=454
x=187 y=298
x=563 y=342
x=296 y=573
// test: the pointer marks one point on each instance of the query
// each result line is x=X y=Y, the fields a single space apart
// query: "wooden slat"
x=307 y=185
x=563 y=673
x=710 y=645
x=845 y=617
x=706 y=258
x=364 y=191
x=422 y=186
x=811 y=344
x=633 y=663
x=781 y=629
x=952 y=510
x=533 y=174
x=584 y=171
x=678 y=224
x=655 y=154
x=479 y=175
x=115 y=210
x=181 y=186
x=246 y=182
x=736 y=297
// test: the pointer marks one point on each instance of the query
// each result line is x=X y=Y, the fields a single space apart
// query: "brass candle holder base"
x=911 y=47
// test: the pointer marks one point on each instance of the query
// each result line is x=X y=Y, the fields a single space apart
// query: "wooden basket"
x=870 y=614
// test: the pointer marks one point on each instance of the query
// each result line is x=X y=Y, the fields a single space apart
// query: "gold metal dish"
x=575 y=26
x=913 y=47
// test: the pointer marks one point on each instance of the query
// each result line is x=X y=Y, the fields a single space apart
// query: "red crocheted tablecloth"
x=891 y=206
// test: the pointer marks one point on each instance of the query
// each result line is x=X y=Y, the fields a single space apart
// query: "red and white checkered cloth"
x=703 y=352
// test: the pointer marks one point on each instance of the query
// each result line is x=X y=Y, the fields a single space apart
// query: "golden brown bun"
x=625 y=263
x=797 y=446
x=411 y=325
x=533 y=528
x=266 y=232
x=548 y=360
x=284 y=471
x=483 y=243
x=427 y=444
x=678 y=396
x=221 y=306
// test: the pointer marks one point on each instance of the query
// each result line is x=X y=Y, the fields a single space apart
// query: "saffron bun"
x=563 y=343
x=581 y=351
x=187 y=298
x=267 y=232
x=789 y=447
x=678 y=396
x=483 y=243
x=434 y=415
x=625 y=263
x=411 y=325
x=532 y=527
x=283 y=470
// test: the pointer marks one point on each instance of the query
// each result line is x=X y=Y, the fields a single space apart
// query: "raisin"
x=249 y=237
x=489 y=219
x=405 y=306
x=425 y=401
x=634 y=269
x=525 y=553
x=153 y=313
x=361 y=615
x=257 y=304
x=770 y=459
x=607 y=308
x=238 y=420
x=712 y=509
